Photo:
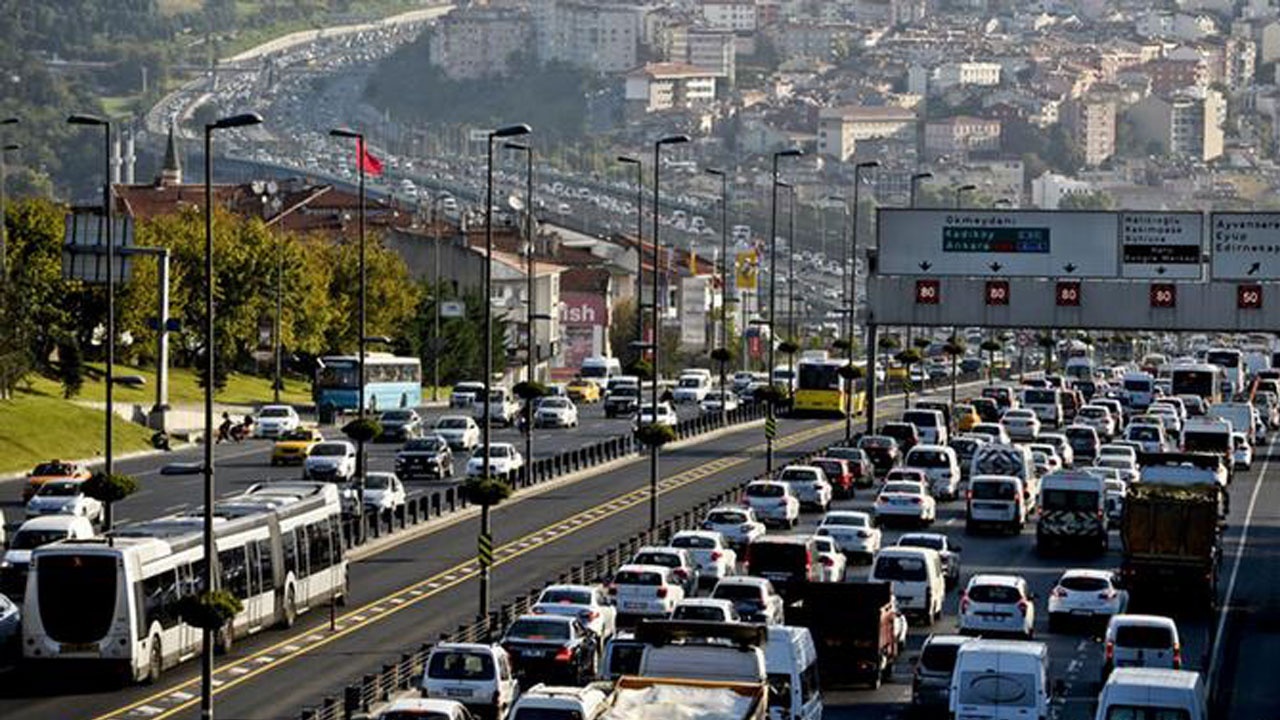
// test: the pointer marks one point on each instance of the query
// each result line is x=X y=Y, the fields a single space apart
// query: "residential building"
x=735 y=16
x=1187 y=125
x=840 y=129
x=667 y=86
x=961 y=135
x=713 y=51
x=985 y=74
x=601 y=37
x=1182 y=26
x=1048 y=190
x=478 y=41
x=1269 y=43
x=1092 y=123
x=1169 y=75
x=889 y=12
x=1239 y=63
x=815 y=40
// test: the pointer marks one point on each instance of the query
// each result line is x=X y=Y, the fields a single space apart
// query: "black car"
x=555 y=649
x=398 y=425
x=621 y=401
x=907 y=435
x=421 y=458
x=883 y=452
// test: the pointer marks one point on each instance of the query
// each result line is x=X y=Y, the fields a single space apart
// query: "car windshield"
x=994 y=594
x=690 y=382
x=47 y=469
x=497 y=451
x=1144 y=432
x=797 y=475
x=766 y=491
x=637 y=577
x=693 y=541
x=709 y=613
x=328 y=450
x=993 y=490
x=939 y=657
x=460 y=665
x=908 y=488
x=427 y=444
x=928 y=459
x=539 y=629
x=452 y=423
x=736 y=592
x=1093 y=412
x=908 y=569
x=670 y=560
x=297 y=435
x=830 y=467
x=571 y=596
x=924 y=541
x=846 y=520
x=1033 y=396
x=1084 y=583
x=1148 y=637
x=397 y=415
x=32 y=539
x=60 y=489
x=727 y=518
x=274 y=412
x=554 y=402
x=920 y=418
x=378 y=481
x=873 y=442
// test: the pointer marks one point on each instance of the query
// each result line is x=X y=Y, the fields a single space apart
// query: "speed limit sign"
x=1249 y=297
x=1164 y=295
x=928 y=292
x=1067 y=294
x=997 y=292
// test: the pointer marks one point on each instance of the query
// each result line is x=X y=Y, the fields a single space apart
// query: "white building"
x=478 y=41
x=1158 y=24
x=669 y=86
x=601 y=37
x=1184 y=125
x=961 y=135
x=714 y=51
x=840 y=129
x=985 y=74
x=736 y=16
x=1048 y=190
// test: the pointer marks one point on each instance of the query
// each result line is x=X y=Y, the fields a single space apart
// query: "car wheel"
x=155 y=665
x=290 y=610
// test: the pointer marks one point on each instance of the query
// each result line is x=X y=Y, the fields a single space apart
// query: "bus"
x=1199 y=379
x=1231 y=360
x=821 y=391
x=389 y=382
x=113 y=602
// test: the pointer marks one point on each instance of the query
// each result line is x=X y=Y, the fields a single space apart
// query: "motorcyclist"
x=224 y=430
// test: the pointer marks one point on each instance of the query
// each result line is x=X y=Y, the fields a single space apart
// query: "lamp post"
x=439 y=296
x=657 y=326
x=4 y=237
x=770 y=427
x=639 y=242
x=791 y=280
x=485 y=428
x=853 y=302
x=724 y=287
x=361 y=469
x=210 y=576
x=531 y=360
x=960 y=191
x=915 y=185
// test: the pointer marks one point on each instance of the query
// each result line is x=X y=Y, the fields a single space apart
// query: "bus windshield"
x=1224 y=358
x=338 y=375
x=819 y=376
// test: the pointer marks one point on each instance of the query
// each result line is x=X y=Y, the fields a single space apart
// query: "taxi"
x=966 y=416
x=293 y=447
x=583 y=391
x=52 y=470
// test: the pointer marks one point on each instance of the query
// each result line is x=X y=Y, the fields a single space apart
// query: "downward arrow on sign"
x=1069 y=267
x=995 y=267
x=926 y=265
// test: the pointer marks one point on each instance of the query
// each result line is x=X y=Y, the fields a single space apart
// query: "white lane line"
x=1235 y=569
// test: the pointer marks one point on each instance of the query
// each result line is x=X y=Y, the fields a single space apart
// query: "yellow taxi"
x=966 y=417
x=52 y=470
x=897 y=372
x=583 y=391
x=293 y=447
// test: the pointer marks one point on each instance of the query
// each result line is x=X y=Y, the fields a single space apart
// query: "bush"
x=720 y=355
x=655 y=434
x=841 y=344
x=485 y=490
x=851 y=372
x=990 y=346
x=954 y=349
x=110 y=488
x=770 y=394
x=209 y=611
x=922 y=342
x=909 y=356
x=788 y=347
x=642 y=369
x=889 y=343
x=362 y=429
x=530 y=390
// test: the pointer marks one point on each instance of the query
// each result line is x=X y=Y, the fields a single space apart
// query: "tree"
x=954 y=349
x=70 y=366
x=990 y=347
x=108 y=490
x=1096 y=200
x=622 y=332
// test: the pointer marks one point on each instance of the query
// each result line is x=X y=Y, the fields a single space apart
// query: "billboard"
x=1001 y=243
x=1166 y=245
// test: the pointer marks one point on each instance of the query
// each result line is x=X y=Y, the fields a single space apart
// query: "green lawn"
x=184 y=390
x=37 y=425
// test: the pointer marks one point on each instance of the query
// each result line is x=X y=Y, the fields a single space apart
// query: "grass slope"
x=36 y=425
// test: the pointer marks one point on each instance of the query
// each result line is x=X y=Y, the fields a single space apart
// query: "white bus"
x=112 y=603
x=1231 y=361
x=1198 y=379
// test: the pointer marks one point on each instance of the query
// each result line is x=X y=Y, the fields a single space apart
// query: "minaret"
x=130 y=158
x=171 y=171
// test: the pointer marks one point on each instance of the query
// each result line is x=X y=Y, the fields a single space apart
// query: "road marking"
x=1235 y=569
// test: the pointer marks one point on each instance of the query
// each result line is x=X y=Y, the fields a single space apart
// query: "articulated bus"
x=113 y=604
x=821 y=390
x=389 y=382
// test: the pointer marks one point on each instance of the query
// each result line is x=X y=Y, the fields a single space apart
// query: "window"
x=458 y=665
x=1000 y=594
x=1129 y=712
x=77 y=596
x=907 y=569
x=159 y=600
x=252 y=561
x=319 y=543
x=809 y=685
x=266 y=565
x=1073 y=500
x=779 y=690
x=1147 y=637
x=234 y=570
x=939 y=657
x=289 y=551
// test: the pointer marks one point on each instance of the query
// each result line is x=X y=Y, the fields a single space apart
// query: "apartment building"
x=669 y=86
x=1092 y=123
x=985 y=74
x=477 y=41
x=961 y=135
x=735 y=16
x=714 y=51
x=1187 y=124
x=840 y=128
x=601 y=37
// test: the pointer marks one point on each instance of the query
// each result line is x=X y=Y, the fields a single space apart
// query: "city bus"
x=1231 y=360
x=1198 y=379
x=114 y=602
x=390 y=382
x=821 y=391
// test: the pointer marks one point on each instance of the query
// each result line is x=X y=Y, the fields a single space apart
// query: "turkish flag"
x=366 y=161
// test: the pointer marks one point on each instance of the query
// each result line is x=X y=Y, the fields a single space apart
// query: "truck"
x=1171 y=535
x=854 y=627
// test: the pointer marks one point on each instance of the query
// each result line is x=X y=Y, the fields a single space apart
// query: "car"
x=993 y=432
x=841 y=474
x=621 y=400
x=995 y=500
x=830 y=559
x=902 y=500
x=941 y=468
x=1060 y=443
x=931 y=679
x=1149 y=641
x=1085 y=595
x=331 y=461
x=581 y=390
x=399 y=425
x=966 y=446
x=1021 y=424
x=425 y=457
x=292 y=448
x=712 y=554
x=645 y=591
x=907 y=435
x=706 y=610
x=1050 y=454
x=809 y=485
x=383 y=493
x=719 y=400
x=460 y=431
x=754 y=598
x=965 y=417
x=464 y=394
x=882 y=450
x=1084 y=442
x=1117 y=450
x=503 y=458
x=551 y=648
x=503 y=408
x=737 y=525
x=988 y=410
x=64 y=497
x=549 y=702
x=1151 y=438
x=556 y=412
x=691 y=388
x=275 y=420
x=1099 y=418
x=679 y=560
x=52 y=470
x=10 y=624
x=908 y=474
x=477 y=675
x=947 y=550
x=773 y=503
x=430 y=708
x=994 y=605
x=588 y=603
x=1117 y=491
x=853 y=532
x=1241 y=451
x=666 y=415
x=32 y=534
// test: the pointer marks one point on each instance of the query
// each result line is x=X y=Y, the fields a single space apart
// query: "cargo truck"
x=1172 y=542
x=853 y=626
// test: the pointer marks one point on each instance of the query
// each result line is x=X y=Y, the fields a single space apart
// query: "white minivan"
x=1152 y=693
x=790 y=654
x=931 y=424
x=476 y=675
x=1001 y=680
x=919 y=583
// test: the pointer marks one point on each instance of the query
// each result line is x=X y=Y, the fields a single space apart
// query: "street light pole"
x=486 y=537
x=853 y=306
x=791 y=280
x=4 y=236
x=210 y=574
x=639 y=243
x=439 y=297
x=770 y=427
x=657 y=327
x=960 y=191
x=531 y=301
x=915 y=185
x=724 y=287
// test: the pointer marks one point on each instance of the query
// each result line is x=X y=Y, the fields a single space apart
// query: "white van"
x=1045 y=402
x=790 y=654
x=1001 y=680
x=477 y=675
x=1140 y=388
x=941 y=466
x=693 y=650
x=1150 y=693
x=598 y=369
x=31 y=535
x=691 y=388
x=1013 y=461
x=919 y=583
x=995 y=500
x=1243 y=418
x=931 y=424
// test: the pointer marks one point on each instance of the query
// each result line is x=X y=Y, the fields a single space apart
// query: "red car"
x=839 y=474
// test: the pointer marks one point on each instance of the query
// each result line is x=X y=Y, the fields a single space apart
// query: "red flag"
x=366 y=161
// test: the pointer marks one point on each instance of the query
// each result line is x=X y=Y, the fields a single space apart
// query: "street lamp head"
x=13 y=146
x=867 y=165
x=784 y=184
x=789 y=152
x=966 y=188
x=80 y=119
x=511 y=131
x=345 y=133
x=714 y=171
x=10 y=121
x=673 y=140
x=628 y=160
x=922 y=176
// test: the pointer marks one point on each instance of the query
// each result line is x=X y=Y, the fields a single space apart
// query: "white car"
x=738 y=525
x=1099 y=418
x=1085 y=595
x=383 y=492
x=1115 y=450
x=1126 y=469
x=434 y=708
x=1021 y=424
x=754 y=597
x=1151 y=438
x=460 y=431
x=585 y=602
x=275 y=420
x=997 y=605
x=1117 y=491
x=464 y=394
x=503 y=407
x=940 y=466
x=948 y=551
x=714 y=402
x=666 y=415
x=902 y=500
x=993 y=432
x=852 y=531
x=706 y=610
x=710 y=551
x=1141 y=641
x=330 y=461
x=809 y=485
x=1241 y=451
x=503 y=458
x=474 y=674
x=556 y=412
x=691 y=389
x=830 y=558
x=646 y=590
x=773 y=502
x=1060 y=443
x=64 y=497
x=1050 y=452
